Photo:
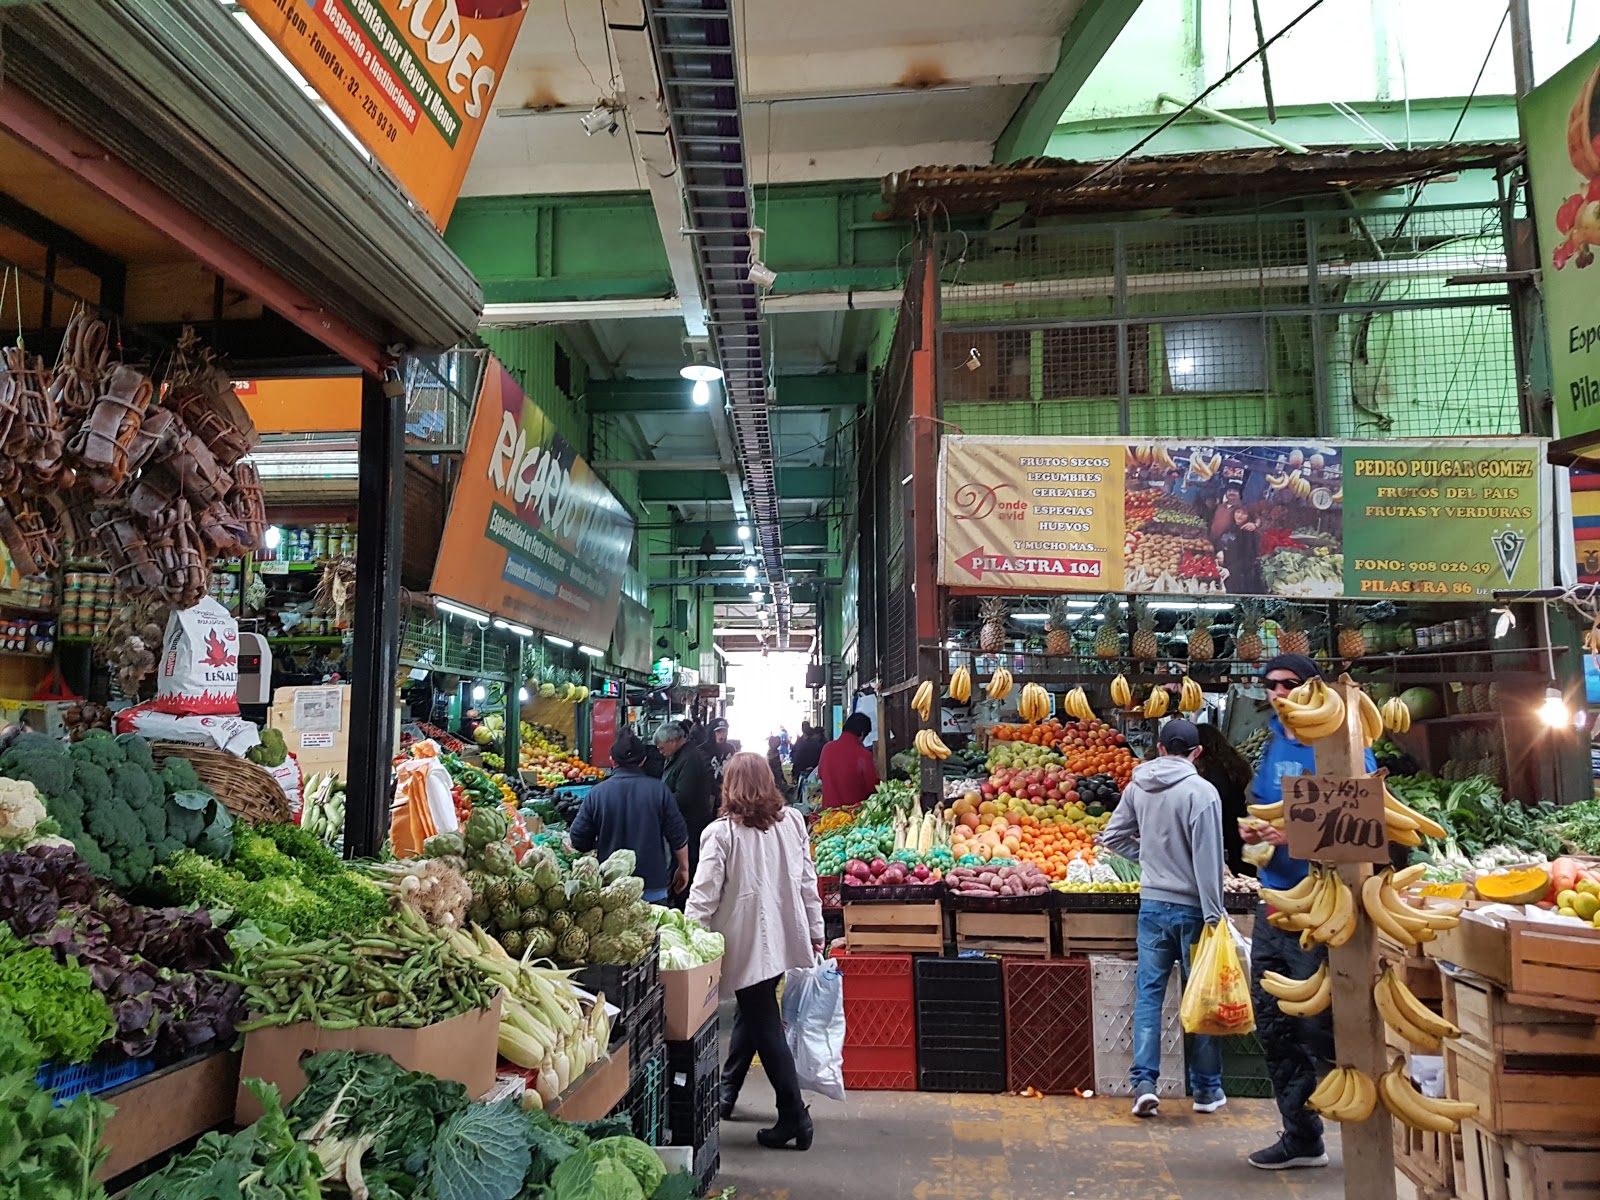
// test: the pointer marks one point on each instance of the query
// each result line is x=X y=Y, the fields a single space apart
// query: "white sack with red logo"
x=197 y=684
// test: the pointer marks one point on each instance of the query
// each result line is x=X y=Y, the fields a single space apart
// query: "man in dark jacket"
x=806 y=753
x=631 y=811
x=688 y=775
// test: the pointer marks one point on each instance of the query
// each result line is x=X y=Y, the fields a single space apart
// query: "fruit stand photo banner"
x=534 y=535
x=1440 y=519
x=1561 y=126
x=412 y=81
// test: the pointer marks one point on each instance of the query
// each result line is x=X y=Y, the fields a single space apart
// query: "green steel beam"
x=687 y=535
x=524 y=249
x=794 y=483
x=673 y=395
x=1097 y=24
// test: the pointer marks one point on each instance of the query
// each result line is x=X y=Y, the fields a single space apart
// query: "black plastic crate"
x=707 y=1162
x=692 y=1111
x=987 y=1081
x=1099 y=901
x=698 y=1056
x=646 y=1101
x=966 y=980
x=1239 y=902
x=961 y=1026
x=1001 y=904
x=647 y=1024
x=891 y=893
x=949 y=1027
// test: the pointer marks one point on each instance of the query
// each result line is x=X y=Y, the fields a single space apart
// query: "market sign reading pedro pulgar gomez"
x=412 y=79
x=534 y=535
x=1561 y=126
x=1437 y=520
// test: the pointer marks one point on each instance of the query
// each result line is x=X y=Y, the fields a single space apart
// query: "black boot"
x=796 y=1129
x=727 y=1099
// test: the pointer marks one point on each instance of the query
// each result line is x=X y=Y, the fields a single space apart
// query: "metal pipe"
x=1223 y=118
x=1521 y=47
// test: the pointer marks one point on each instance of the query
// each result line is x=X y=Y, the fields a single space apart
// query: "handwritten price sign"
x=1333 y=820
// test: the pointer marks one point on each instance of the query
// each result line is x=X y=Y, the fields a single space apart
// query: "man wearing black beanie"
x=631 y=811
x=1296 y=1047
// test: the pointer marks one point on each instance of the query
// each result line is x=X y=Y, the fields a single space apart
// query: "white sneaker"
x=1209 y=1102
x=1146 y=1105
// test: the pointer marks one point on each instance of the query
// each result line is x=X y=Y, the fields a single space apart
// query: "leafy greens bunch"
x=46 y=1152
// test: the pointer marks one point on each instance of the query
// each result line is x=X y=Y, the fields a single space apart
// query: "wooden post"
x=1357 y=1028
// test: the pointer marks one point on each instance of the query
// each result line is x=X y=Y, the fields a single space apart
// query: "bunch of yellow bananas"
x=1076 y=704
x=1202 y=469
x=930 y=745
x=1272 y=813
x=961 y=685
x=999 y=686
x=1406 y=825
x=1155 y=705
x=1403 y=923
x=1407 y=1104
x=1300 y=997
x=1279 y=481
x=1321 y=907
x=922 y=702
x=1121 y=693
x=1152 y=456
x=1190 y=698
x=1033 y=705
x=1396 y=714
x=1345 y=1094
x=1312 y=711
x=1371 y=718
x=1409 y=1017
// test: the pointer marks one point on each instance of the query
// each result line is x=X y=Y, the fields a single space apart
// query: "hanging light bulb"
x=1554 y=712
x=273 y=538
x=702 y=392
x=478 y=691
x=750 y=574
x=744 y=533
x=523 y=695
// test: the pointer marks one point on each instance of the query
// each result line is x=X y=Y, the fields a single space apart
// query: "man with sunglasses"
x=1296 y=1047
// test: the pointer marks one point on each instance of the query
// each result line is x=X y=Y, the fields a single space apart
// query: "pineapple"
x=1201 y=645
x=1248 y=645
x=1292 y=635
x=992 y=633
x=1108 y=641
x=1352 y=642
x=1144 y=643
x=1058 y=641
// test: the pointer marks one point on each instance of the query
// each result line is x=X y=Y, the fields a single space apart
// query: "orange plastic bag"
x=422 y=806
x=1217 y=999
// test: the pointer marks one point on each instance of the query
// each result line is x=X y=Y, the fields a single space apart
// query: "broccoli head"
x=42 y=761
x=98 y=746
x=136 y=750
x=272 y=751
x=92 y=782
x=178 y=775
x=134 y=785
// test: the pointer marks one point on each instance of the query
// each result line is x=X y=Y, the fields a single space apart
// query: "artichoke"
x=479 y=912
x=535 y=916
x=589 y=920
x=622 y=893
x=560 y=923
x=573 y=946
x=498 y=894
x=445 y=845
x=540 y=943
x=619 y=865
x=607 y=948
x=631 y=946
x=486 y=826
x=513 y=942
x=498 y=858
x=555 y=898
x=508 y=917
x=526 y=892
x=547 y=871
x=615 y=921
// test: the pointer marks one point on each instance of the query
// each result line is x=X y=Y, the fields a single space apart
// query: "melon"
x=1524 y=885
x=1423 y=703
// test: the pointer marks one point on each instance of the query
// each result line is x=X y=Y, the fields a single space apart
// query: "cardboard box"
x=464 y=1048
x=166 y=1109
x=602 y=1087
x=691 y=999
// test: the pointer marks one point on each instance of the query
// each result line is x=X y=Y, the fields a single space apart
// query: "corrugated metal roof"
x=1046 y=186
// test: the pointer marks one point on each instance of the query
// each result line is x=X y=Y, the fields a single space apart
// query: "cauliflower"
x=20 y=809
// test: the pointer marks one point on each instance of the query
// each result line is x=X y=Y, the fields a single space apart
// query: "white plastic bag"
x=1241 y=943
x=813 y=1016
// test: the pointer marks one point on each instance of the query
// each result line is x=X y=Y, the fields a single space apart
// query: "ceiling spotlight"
x=744 y=533
x=761 y=275
x=460 y=610
x=749 y=574
x=700 y=370
x=755 y=598
x=602 y=118
x=564 y=643
x=702 y=392
x=1554 y=712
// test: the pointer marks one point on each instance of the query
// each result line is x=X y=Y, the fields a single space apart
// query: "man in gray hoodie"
x=1170 y=822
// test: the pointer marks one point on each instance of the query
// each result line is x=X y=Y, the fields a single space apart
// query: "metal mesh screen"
x=429 y=641
x=441 y=390
x=1351 y=324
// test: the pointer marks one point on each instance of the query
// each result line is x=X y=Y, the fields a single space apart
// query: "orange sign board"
x=413 y=79
x=330 y=405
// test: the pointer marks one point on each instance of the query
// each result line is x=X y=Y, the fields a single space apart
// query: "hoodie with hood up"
x=1169 y=821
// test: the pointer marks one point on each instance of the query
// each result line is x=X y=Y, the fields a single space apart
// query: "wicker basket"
x=247 y=791
x=1582 y=129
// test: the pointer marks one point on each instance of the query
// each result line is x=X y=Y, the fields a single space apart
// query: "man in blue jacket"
x=1295 y=1046
x=631 y=811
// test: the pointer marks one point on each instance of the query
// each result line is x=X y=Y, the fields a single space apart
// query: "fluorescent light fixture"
x=756 y=598
x=558 y=641
x=591 y=652
x=1553 y=712
x=272 y=538
x=524 y=695
x=749 y=574
x=1030 y=616
x=700 y=372
x=702 y=392
x=519 y=630
x=744 y=533
x=479 y=691
x=460 y=610
x=306 y=464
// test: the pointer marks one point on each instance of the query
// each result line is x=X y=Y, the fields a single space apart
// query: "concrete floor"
x=925 y=1146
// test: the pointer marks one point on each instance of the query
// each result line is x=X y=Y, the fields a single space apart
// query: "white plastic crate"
x=1113 y=983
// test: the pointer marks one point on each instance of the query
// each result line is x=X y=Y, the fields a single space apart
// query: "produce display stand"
x=166 y=1109
x=1022 y=925
x=598 y=1091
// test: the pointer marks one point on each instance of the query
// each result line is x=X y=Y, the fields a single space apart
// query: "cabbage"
x=643 y=1162
x=706 y=944
x=678 y=958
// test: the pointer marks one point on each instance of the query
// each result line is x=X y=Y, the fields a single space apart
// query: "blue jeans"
x=1167 y=934
x=656 y=896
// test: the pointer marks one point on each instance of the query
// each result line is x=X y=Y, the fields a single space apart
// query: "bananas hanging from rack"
x=1409 y=1017
x=1403 y=923
x=1300 y=997
x=1278 y=482
x=1300 y=486
x=1371 y=718
x=1345 y=1094
x=1190 y=698
x=1076 y=705
x=1406 y=825
x=1407 y=1104
x=1155 y=707
x=930 y=745
x=961 y=685
x=922 y=702
x=1202 y=468
x=1312 y=711
x=1033 y=705
x=1321 y=908
x=1396 y=715
x=1121 y=693
x=999 y=686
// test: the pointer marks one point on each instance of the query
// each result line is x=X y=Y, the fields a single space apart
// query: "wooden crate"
x=1427 y=1159
x=166 y=1109
x=1555 y=961
x=1496 y=1167
x=1526 y=1094
x=1493 y=1026
x=1026 y=933
x=1099 y=933
x=894 y=928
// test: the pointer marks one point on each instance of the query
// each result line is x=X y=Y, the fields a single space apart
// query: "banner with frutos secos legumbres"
x=1453 y=519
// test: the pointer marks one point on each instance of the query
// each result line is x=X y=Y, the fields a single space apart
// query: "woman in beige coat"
x=757 y=886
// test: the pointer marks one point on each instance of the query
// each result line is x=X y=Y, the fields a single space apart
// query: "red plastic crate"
x=1049 y=1025
x=876 y=1069
x=876 y=977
